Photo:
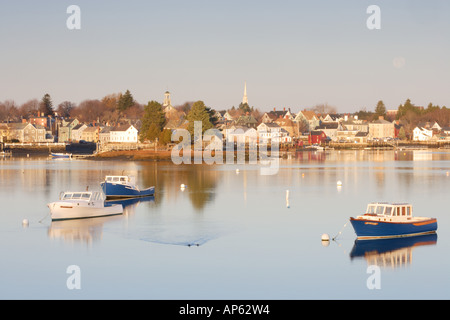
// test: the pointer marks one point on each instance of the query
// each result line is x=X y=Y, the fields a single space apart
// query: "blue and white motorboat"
x=385 y=220
x=124 y=187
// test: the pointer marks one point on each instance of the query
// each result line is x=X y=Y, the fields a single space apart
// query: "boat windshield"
x=77 y=196
x=378 y=209
x=117 y=179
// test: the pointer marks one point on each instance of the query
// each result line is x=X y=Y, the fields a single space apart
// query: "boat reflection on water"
x=393 y=253
x=130 y=205
x=90 y=230
x=80 y=230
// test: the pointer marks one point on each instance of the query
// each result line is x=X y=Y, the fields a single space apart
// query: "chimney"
x=273 y=108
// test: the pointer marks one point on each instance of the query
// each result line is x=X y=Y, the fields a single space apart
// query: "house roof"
x=78 y=126
x=309 y=115
x=123 y=127
x=328 y=125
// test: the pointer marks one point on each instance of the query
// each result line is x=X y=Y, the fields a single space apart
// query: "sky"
x=292 y=54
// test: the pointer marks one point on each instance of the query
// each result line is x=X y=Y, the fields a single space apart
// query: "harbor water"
x=230 y=233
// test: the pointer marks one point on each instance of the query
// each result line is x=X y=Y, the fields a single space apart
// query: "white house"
x=124 y=134
x=422 y=134
x=241 y=135
x=268 y=131
x=273 y=132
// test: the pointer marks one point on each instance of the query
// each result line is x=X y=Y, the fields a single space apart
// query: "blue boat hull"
x=113 y=190
x=369 y=229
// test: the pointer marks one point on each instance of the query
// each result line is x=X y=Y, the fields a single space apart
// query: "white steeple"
x=166 y=102
x=245 y=99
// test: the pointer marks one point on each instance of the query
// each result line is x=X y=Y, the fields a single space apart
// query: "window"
x=403 y=211
x=380 y=209
x=371 y=209
x=388 y=211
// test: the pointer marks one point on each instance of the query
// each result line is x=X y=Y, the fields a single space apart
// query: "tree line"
x=114 y=107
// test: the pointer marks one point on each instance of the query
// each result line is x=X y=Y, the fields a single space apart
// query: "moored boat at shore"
x=385 y=220
x=61 y=155
x=115 y=187
x=80 y=205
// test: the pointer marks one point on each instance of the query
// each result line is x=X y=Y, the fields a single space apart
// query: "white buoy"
x=325 y=237
x=25 y=222
x=339 y=183
x=182 y=186
x=237 y=171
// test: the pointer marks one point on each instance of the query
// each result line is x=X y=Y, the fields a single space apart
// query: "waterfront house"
x=361 y=137
x=268 y=131
x=77 y=131
x=381 y=129
x=345 y=136
x=25 y=132
x=422 y=134
x=330 y=129
x=104 y=135
x=309 y=118
x=241 y=135
x=91 y=134
x=317 y=137
x=124 y=134
x=65 y=129
x=288 y=125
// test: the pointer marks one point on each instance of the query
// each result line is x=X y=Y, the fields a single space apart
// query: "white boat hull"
x=61 y=210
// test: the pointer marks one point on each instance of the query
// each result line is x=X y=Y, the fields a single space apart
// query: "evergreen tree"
x=153 y=121
x=199 y=112
x=46 y=106
x=244 y=107
x=125 y=101
x=380 y=110
x=407 y=107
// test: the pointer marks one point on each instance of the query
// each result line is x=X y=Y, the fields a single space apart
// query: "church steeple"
x=166 y=102
x=245 y=99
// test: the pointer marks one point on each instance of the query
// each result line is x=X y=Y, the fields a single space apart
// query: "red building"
x=318 y=137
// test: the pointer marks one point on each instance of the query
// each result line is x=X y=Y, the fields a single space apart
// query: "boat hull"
x=372 y=229
x=115 y=190
x=61 y=155
x=69 y=211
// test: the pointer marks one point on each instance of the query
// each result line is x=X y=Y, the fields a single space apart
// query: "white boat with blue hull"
x=82 y=205
x=120 y=187
x=385 y=220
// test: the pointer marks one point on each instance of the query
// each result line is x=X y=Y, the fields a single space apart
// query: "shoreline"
x=164 y=155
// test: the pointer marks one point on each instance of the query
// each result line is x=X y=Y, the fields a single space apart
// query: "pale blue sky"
x=291 y=53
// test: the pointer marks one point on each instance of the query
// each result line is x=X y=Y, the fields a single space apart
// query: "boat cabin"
x=119 y=179
x=87 y=196
x=391 y=210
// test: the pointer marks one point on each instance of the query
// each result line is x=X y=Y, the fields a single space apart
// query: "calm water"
x=228 y=235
